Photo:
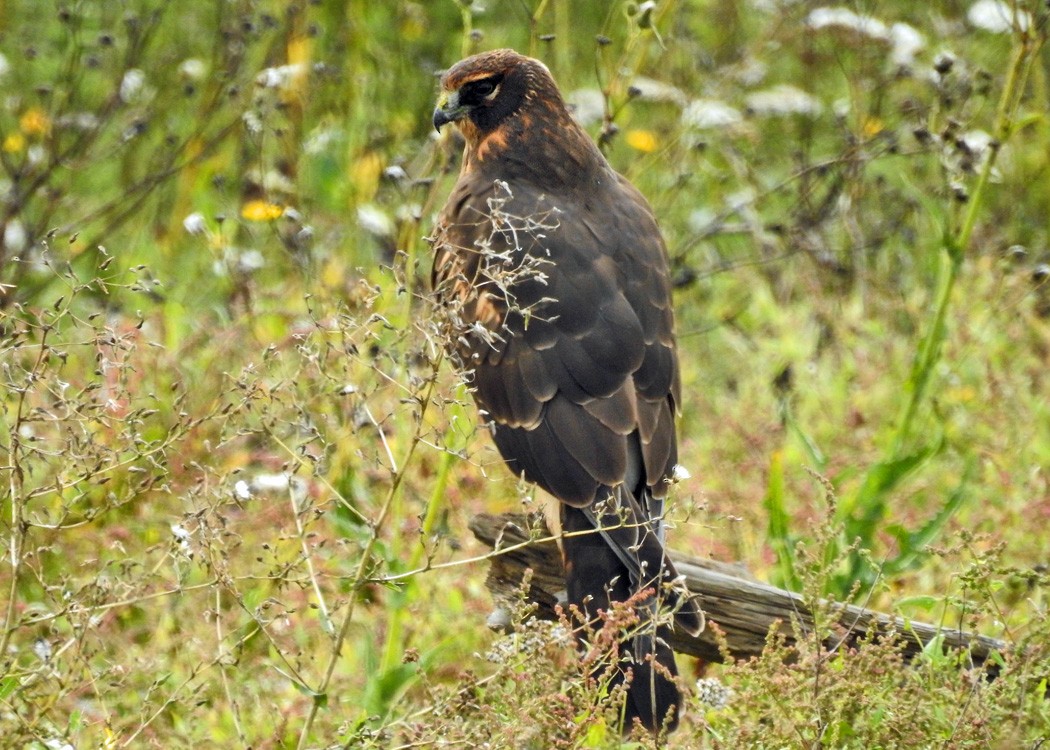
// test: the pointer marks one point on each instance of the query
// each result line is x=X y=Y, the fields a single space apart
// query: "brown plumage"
x=556 y=275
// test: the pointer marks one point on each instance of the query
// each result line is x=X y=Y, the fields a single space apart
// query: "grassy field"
x=237 y=470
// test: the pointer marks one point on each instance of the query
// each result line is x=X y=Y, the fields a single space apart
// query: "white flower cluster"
x=713 y=693
x=998 y=17
x=904 y=40
x=530 y=637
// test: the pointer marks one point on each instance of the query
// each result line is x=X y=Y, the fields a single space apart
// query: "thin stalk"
x=956 y=244
x=468 y=29
x=396 y=621
x=534 y=22
x=297 y=513
x=19 y=526
x=235 y=711
x=929 y=351
x=359 y=577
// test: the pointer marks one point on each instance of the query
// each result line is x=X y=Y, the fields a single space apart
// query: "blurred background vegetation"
x=237 y=472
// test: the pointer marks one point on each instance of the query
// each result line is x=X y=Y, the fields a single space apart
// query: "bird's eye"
x=482 y=90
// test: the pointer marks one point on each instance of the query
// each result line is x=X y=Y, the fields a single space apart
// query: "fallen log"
x=741 y=610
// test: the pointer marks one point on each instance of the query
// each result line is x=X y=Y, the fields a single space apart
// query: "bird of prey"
x=556 y=276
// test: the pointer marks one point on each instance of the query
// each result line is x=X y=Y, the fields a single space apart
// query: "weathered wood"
x=744 y=611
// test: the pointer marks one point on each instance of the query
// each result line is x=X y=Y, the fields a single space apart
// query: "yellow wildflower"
x=364 y=174
x=14 y=143
x=35 y=122
x=872 y=126
x=261 y=211
x=299 y=50
x=642 y=140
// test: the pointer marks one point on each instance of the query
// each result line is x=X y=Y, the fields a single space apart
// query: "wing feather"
x=590 y=343
x=601 y=452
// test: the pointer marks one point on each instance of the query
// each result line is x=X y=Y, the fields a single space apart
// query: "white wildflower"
x=713 y=693
x=975 y=152
x=78 y=121
x=703 y=114
x=845 y=18
x=529 y=638
x=252 y=122
x=702 y=220
x=652 y=90
x=192 y=69
x=977 y=141
x=250 y=260
x=587 y=106
x=997 y=16
x=194 y=223
x=750 y=72
x=182 y=536
x=396 y=173
x=242 y=490
x=133 y=86
x=270 y=482
x=783 y=100
x=15 y=237
x=374 y=221
x=907 y=43
x=274 y=181
x=279 y=75
x=180 y=532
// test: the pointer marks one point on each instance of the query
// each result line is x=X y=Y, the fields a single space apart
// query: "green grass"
x=237 y=471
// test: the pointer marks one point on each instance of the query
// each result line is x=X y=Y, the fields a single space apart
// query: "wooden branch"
x=744 y=611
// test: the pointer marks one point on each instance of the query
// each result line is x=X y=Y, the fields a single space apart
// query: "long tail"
x=612 y=552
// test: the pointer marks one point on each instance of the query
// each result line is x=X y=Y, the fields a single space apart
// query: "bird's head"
x=481 y=92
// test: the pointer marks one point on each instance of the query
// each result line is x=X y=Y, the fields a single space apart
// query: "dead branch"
x=744 y=611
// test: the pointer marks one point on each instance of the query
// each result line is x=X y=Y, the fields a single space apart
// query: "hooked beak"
x=448 y=110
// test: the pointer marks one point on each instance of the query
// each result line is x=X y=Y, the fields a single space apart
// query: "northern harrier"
x=557 y=277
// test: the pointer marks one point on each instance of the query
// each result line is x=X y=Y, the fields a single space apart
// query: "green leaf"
x=385 y=687
x=913 y=544
x=597 y=733
x=779 y=523
x=813 y=452
x=8 y=685
x=869 y=504
x=924 y=602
